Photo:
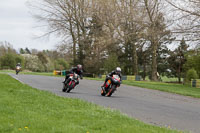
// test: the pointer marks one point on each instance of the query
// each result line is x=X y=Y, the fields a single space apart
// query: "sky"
x=18 y=27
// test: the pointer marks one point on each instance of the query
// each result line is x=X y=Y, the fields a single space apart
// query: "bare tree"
x=188 y=18
x=64 y=18
x=156 y=30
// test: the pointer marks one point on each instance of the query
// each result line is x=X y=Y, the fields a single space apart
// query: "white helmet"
x=118 y=70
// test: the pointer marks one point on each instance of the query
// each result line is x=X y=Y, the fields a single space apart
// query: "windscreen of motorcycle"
x=71 y=76
x=75 y=76
x=116 y=77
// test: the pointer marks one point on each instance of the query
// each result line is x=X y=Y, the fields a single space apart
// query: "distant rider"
x=18 y=65
x=78 y=70
x=117 y=71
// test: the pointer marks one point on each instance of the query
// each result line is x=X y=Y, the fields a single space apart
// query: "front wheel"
x=17 y=72
x=71 y=86
x=64 y=87
x=111 y=91
x=68 y=90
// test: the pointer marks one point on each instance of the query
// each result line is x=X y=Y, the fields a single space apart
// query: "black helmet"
x=118 y=70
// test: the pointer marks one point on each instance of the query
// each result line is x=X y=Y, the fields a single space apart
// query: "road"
x=150 y=106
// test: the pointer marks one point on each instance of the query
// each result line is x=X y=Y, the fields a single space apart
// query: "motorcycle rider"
x=117 y=71
x=78 y=70
x=18 y=65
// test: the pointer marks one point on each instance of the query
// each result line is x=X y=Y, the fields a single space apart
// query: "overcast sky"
x=17 y=26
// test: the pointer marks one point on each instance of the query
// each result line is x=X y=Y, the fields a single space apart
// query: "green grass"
x=31 y=73
x=185 y=90
x=166 y=79
x=25 y=109
x=181 y=89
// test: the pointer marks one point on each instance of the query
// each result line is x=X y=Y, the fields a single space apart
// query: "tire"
x=103 y=93
x=64 y=88
x=109 y=94
x=69 y=88
x=111 y=91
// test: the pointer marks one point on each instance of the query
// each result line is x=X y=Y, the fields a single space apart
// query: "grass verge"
x=185 y=90
x=24 y=109
x=31 y=73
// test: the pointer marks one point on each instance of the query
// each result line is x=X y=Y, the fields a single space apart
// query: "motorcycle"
x=18 y=69
x=74 y=78
x=111 y=86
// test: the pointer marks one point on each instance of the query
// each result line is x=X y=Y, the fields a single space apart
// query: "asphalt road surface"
x=150 y=106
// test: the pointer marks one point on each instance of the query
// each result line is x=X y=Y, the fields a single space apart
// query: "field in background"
x=25 y=109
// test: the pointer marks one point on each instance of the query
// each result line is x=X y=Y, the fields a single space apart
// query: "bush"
x=191 y=74
x=111 y=63
x=33 y=63
x=8 y=61
x=61 y=64
x=20 y=59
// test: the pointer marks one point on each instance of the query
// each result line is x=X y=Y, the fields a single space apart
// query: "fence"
x=195 y=83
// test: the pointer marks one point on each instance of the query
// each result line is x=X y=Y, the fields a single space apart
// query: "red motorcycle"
x=74 y=78
x=111 y=86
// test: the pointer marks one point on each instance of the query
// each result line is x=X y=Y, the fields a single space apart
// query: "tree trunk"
x=179 y=73
x=144 y=68
x=154 y=61
x=74 y=42
x=135 y=60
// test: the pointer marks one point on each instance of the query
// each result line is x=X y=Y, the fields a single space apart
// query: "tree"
x=8 y=61
x=111 y=63
x=157 y=32
x=22 y=51
x=177 y=59
x=187 y=23
x=42 y=57
x=33 y=63
x=61 y=64
x=20 y=59
x=27 y=51
x=94 y=30
x=162 y=59
x=5 y=48
x=193 y=61
x=191 y=74
x=67 y=19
